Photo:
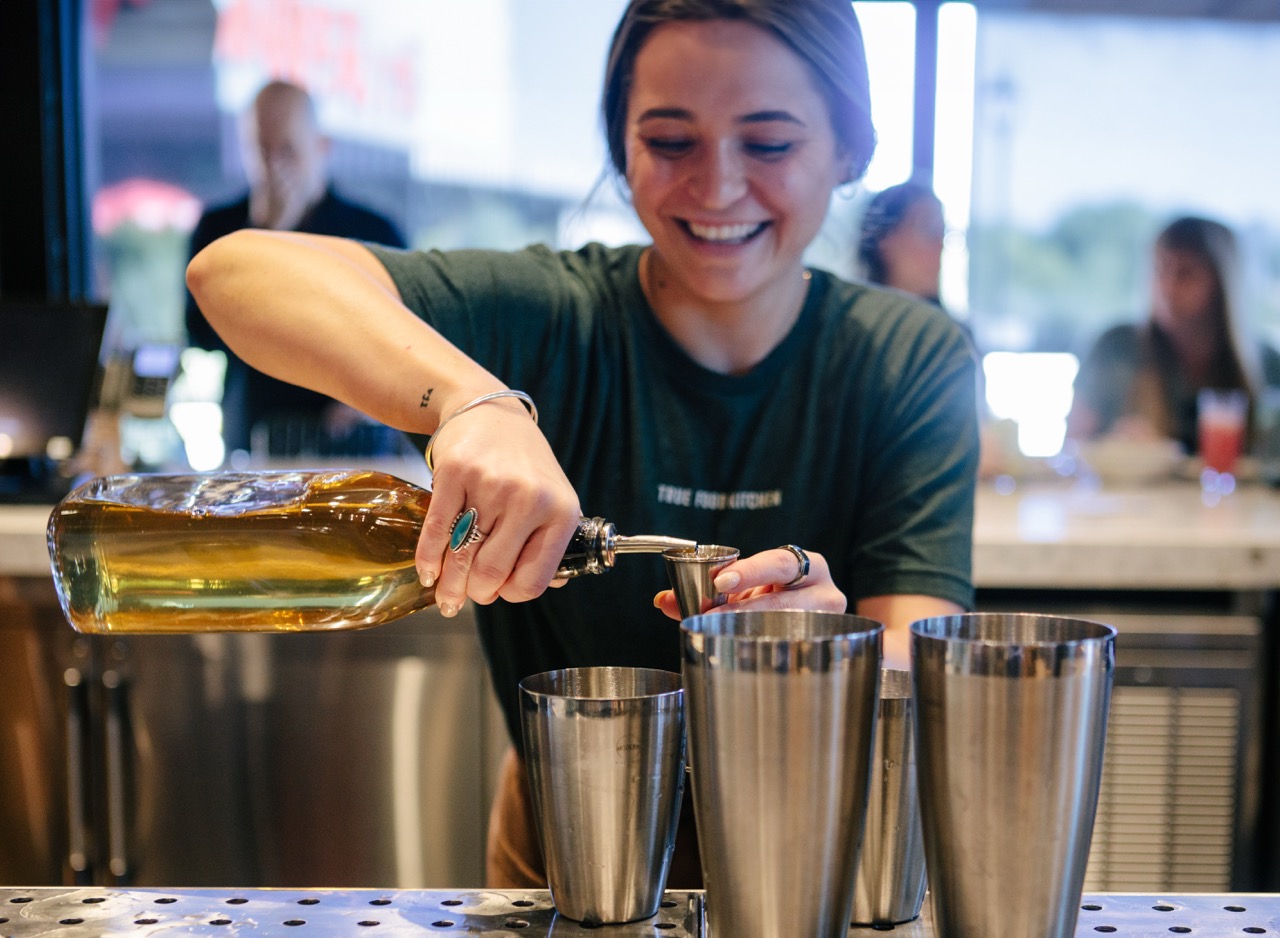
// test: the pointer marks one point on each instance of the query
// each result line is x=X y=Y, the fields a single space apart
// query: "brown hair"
x=887 y=210
x=824 y=33
x=1215 y=244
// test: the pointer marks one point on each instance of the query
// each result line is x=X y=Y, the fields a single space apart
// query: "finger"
x=797 y=561
x=494 y=559
x=466 y=542
x=667 y=603
x=433 y=542
x=539 y=558
x=451 y=591
x=773 y=599
x=770 y=568
x=817 y=594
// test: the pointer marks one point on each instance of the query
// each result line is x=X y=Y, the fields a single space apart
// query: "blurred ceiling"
x=1255 y=10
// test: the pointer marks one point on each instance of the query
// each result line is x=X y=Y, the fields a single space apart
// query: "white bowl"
x=1121 y=459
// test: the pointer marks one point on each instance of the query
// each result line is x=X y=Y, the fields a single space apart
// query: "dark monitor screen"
x=48 y=365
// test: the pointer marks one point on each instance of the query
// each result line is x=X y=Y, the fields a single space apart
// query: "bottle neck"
x=595 y=545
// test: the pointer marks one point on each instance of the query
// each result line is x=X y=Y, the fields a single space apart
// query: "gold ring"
x=802 y=566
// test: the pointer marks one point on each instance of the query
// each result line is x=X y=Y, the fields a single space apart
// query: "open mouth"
x=724 y=234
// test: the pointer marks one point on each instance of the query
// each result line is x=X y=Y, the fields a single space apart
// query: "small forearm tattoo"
x=426 y=398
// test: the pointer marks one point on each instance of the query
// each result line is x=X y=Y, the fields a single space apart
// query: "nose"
x=719 y=176
x=276 y=162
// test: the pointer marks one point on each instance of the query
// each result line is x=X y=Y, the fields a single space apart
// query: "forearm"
x=323 y=313
x=897 y=613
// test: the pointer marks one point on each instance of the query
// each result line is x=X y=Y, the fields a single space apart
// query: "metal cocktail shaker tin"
x=1011 y=720
x=605 y=754
x=781 y=711
x=891 y=881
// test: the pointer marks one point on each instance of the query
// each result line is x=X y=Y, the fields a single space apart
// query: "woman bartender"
x=705 y=385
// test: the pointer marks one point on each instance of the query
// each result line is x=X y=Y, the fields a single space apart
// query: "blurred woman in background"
x=1142 y=379
x=900 y=243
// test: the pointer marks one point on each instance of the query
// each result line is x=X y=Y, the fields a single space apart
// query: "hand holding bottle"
x=494 y=460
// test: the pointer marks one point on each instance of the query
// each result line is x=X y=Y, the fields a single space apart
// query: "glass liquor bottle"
x=306 y=550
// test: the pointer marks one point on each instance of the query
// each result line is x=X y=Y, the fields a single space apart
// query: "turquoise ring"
x=465 y=530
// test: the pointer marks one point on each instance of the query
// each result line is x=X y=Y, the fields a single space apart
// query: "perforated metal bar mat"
x=1126 y=915
x=331 y=913
x=366 y=913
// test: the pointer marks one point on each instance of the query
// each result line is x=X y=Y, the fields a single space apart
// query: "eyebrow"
x=756 y=117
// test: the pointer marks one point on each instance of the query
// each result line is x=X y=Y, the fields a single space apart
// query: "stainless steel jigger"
x=692 y=571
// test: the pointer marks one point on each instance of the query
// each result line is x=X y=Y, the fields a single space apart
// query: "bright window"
x=1090 y=132
x=1062 y=142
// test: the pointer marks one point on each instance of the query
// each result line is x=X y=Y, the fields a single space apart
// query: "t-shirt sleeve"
x=503 y=309
x=916 y=506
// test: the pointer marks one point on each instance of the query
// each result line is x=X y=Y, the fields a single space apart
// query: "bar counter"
x=24 y=551
x=1190 y=804
x=1075 y=535
x=73 y=913
x=1057 y=534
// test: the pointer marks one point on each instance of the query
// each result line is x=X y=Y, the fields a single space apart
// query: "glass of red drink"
x=1221 y=423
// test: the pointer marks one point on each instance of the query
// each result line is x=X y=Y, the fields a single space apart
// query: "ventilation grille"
x=1167 y=808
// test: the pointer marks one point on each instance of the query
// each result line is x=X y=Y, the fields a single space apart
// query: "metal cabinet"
x=362 y=758
x=43 y=702
x=1179 y=804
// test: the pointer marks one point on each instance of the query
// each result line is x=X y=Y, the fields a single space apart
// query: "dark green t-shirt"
x=855 y=437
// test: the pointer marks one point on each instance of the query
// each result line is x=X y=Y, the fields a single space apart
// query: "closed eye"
x=669 y=146
x=768 y=151
x=674 y=147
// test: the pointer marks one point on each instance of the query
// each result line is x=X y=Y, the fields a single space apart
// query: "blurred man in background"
x=286 y=161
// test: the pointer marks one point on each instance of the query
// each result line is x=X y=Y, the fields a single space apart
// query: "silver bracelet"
x=482 y=399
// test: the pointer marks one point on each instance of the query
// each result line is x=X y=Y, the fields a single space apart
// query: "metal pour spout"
x=648 y=543
x=596 y=544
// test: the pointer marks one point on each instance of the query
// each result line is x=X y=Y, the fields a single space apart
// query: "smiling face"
x=731 y=160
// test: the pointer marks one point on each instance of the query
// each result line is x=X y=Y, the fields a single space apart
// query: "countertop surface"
x=1074 y=535
x=1049 y=534
x=23 y=548
x=75 y=912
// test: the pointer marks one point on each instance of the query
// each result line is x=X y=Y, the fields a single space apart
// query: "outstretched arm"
x=323 y=313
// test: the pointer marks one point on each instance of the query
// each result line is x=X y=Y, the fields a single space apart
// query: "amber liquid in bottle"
x=307 y=550
x=270 y=551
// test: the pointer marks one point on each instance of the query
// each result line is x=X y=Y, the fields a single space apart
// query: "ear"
x=844 y=159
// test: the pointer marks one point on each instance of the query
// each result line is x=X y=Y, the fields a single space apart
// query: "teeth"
x=723 y=232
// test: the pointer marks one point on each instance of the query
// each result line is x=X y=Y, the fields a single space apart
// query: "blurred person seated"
x=286 y=161
x=1140 y=380
x=900 y=241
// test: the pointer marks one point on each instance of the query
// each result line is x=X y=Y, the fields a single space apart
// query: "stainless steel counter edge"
x=83 y=912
